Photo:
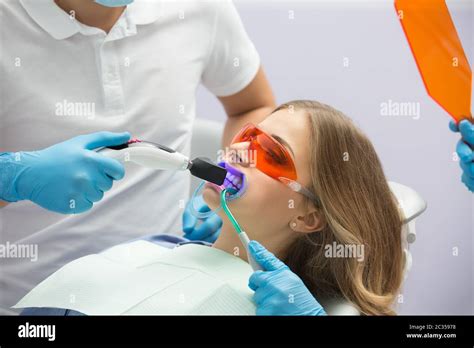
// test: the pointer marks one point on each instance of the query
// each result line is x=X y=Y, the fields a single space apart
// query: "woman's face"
x=267 y=205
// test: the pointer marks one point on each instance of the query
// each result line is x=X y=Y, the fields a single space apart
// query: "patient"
x=346 y=202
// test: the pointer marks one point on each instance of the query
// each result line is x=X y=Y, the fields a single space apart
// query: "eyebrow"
x=283 y=142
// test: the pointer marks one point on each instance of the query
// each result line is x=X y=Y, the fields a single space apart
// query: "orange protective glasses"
x=271 y=158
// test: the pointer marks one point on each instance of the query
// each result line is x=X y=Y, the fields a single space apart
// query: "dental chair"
x=206 y=141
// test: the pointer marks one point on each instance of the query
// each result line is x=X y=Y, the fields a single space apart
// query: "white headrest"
x=412 y=206
x=411 y=203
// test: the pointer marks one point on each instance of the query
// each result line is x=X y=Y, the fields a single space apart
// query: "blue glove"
x=67 y=177
x=279 y=291
x=208 y=230
x=465 y=152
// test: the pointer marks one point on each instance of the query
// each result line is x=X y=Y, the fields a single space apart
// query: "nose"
x=238 y=154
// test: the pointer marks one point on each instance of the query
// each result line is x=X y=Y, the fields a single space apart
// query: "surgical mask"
x=114 y=3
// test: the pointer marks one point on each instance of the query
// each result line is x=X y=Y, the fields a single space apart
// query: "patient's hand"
x=207 y=229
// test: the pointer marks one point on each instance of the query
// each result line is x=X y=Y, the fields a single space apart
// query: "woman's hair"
x=358 y=209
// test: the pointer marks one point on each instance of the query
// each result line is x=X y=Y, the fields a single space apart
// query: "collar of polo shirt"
x=59 y=25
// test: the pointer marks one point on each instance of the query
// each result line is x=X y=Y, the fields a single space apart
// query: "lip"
x=213 y=186
x=231 y=172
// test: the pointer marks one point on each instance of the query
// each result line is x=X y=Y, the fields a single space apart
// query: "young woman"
x=313 y=182
x=354 y=206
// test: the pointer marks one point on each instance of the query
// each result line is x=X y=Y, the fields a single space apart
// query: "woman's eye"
x=274 y=157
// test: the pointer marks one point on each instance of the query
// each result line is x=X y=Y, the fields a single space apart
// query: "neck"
x=92 y=14
x=229 y=241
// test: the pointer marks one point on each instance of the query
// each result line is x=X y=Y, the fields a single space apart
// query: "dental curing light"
x=156 y=156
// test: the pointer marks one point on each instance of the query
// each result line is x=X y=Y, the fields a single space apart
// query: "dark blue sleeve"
x=170 y=241
x=50 y=312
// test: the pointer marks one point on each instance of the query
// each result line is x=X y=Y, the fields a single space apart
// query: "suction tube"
x=242 y=235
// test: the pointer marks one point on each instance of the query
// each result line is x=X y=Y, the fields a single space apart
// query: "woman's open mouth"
x=234 y=180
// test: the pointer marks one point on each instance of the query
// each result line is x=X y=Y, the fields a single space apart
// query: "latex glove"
x=201 y=229
x=67 y=177
x=465 y=152
x=279 y=291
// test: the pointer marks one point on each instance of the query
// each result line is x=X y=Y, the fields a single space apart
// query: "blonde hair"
x=358 y=208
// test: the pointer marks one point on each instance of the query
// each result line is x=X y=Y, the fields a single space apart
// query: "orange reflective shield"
x=438 y=53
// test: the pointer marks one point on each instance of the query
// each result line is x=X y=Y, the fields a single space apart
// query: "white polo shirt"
x=60 y=78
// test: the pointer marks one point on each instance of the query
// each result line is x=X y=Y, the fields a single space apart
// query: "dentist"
x=77 y=67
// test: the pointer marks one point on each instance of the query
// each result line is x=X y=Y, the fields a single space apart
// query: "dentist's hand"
x=67 y=177
x=465 y=152
x=279 y=291
x=209 y=228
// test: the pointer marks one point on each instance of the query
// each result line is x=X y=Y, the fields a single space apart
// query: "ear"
x=313 y=221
